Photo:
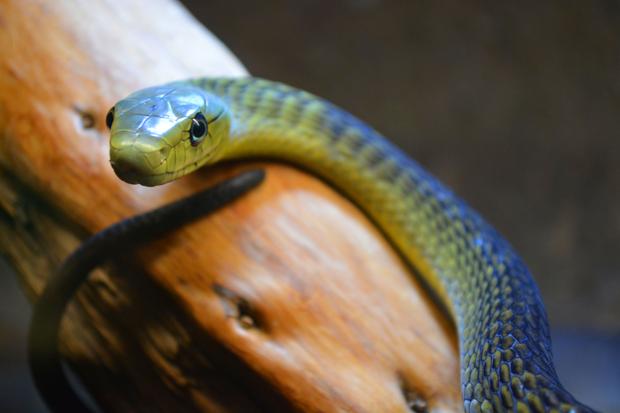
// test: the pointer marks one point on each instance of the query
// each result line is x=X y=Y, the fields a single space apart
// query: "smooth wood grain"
x=287 y=300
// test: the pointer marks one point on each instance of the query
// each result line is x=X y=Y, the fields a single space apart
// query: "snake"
x=162 y=133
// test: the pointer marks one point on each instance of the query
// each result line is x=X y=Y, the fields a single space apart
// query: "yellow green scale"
x=506 y=362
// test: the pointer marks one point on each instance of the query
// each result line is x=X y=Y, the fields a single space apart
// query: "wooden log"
x=287 y=300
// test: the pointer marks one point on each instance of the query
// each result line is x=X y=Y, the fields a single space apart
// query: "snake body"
x=506 y=360
x=161 y=133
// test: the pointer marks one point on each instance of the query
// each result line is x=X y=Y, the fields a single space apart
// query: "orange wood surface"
x=287 y=300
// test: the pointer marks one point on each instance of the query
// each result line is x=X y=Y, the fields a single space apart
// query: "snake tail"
x=44 y=357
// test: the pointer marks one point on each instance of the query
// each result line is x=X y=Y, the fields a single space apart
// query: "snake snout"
x=139 y=161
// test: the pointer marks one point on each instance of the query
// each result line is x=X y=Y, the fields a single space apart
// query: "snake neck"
x=506 y=360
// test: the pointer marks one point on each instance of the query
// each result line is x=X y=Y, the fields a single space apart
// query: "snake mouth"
x=132 y=175
x=126 y=172
x=132 y=169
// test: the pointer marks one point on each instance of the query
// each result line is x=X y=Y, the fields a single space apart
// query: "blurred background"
x=515 y=105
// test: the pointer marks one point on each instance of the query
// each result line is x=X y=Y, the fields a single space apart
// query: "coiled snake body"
x=162 y=133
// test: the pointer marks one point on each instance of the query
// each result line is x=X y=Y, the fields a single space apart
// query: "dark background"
x=515 y=105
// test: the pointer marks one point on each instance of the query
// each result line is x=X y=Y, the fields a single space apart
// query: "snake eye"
x=109 y=118
x=198 y=129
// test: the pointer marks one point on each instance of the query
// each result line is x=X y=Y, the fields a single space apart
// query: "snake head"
x=161 y=133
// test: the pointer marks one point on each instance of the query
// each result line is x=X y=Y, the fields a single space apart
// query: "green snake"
x=162 y=133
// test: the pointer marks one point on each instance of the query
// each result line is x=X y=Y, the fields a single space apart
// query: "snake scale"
x=161 y=133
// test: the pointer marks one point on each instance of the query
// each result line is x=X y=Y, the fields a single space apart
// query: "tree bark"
x=287 y=300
